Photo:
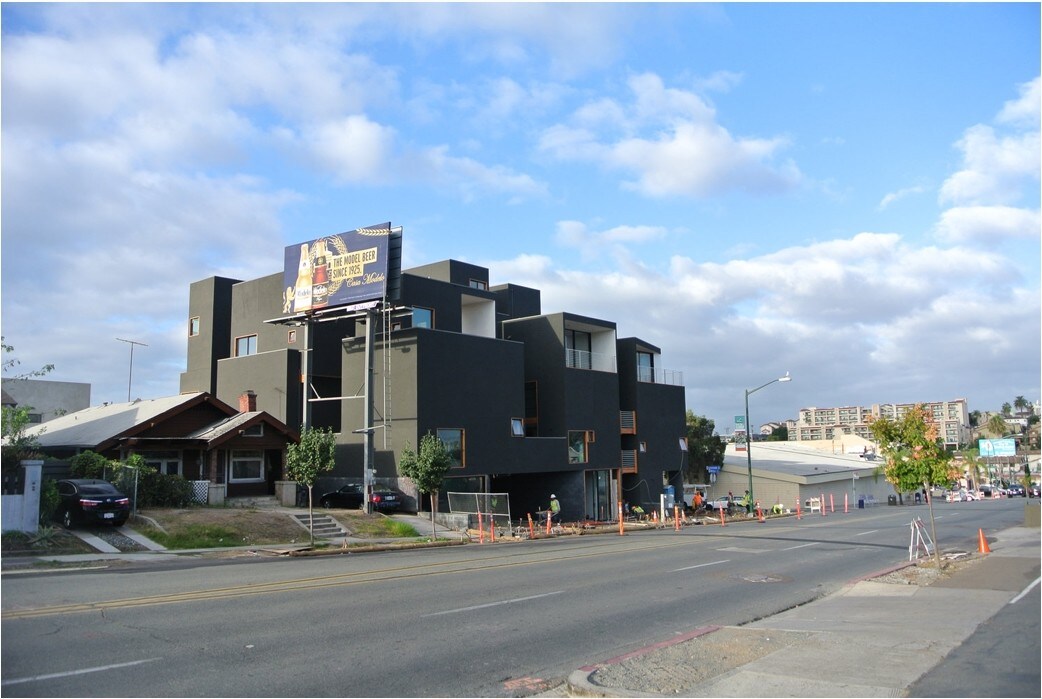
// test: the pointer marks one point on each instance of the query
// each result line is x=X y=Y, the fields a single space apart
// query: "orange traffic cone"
x=982 y=543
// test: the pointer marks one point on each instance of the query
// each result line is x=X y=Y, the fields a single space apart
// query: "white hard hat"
x=552 y=496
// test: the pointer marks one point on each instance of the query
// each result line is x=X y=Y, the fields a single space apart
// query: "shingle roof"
x=95 y=425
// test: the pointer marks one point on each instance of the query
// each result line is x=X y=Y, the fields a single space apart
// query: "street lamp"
x=748 y=429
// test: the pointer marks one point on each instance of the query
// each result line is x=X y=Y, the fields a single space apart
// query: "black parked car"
x=349 y=497
x=1016 y=490
x=86 y=501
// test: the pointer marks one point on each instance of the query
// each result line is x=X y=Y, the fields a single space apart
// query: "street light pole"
x=748 y=429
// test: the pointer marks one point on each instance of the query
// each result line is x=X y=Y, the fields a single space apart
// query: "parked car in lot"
x=1016 y=491
x=350 y=496
x=88 y=501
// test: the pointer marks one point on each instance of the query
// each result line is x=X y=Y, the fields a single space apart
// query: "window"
x=247 y=466
x=645 y=367
x=578 y=452
x=246 y=345
x=168 y=462
x=577 y=346
x=453 y=439
x=422 y=318
x=254 y=430
x=517 y=427
x=291 y=336
x=478 y=284
x=193 y=326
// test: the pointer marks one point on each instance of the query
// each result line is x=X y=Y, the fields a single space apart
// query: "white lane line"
x=1025 y=591
x=71 y=673
x=801 y=546
x=871 y=531
x=492 y=604
x=700 y=565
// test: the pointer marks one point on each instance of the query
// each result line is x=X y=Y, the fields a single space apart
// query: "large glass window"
x=453 y=439
x=422 y=318
x=246 y=345
x=578 y=450
x=247 y=466
x=577 y=345
x=645 y=367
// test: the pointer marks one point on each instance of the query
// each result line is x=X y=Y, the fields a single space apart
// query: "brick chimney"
x=248 y=402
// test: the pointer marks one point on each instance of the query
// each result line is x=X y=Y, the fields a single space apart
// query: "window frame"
x=248 y=339
x=459 y=461
x=194 y=324
x=238 y=456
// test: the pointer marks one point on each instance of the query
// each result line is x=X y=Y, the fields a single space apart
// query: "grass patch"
x=196 y=536
x=402 y=529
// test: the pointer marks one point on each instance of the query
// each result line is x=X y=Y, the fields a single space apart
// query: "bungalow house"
x=226 y=452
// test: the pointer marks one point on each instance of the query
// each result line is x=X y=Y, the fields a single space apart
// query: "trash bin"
x=860 y=503
x=891 y=499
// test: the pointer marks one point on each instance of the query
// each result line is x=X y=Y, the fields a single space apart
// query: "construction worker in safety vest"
x=555 y=508
x=747 y=502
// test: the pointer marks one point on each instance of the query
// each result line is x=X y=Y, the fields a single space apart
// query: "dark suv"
x=87 y=501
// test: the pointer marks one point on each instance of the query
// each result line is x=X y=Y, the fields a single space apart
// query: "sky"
x=846 y=192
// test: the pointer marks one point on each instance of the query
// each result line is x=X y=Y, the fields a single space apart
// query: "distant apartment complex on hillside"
x=832 y=423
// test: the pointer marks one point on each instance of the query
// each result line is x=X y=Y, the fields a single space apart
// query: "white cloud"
x=670 y=140
x=995 y=168
x=1025 y=110
x=988 y=225
x=892 y=197
x=354 y=149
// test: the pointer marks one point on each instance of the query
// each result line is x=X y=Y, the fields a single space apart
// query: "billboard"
x=997 y=447
x=337 y=270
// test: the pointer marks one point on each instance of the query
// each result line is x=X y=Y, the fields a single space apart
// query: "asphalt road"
x=498 y=620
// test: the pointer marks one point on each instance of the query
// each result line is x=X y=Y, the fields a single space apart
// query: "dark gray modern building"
x=527 y=404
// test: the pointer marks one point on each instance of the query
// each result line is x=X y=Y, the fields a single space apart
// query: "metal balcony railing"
x=595 y=361
x=669 y=377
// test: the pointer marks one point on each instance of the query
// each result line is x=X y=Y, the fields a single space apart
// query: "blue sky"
x=849 y=192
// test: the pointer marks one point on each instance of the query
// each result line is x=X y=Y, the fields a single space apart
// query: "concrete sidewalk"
x=864 y=641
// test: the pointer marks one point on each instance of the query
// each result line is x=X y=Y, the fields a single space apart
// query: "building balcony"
x=668 y=377
x=593 y=361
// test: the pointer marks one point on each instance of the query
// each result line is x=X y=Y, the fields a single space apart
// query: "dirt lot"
x=246 y=526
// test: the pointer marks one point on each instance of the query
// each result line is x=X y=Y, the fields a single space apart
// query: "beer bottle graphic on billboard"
x=319 y=276
x=302 y=289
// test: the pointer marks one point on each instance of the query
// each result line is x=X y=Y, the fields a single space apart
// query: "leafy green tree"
x=315 y=453
x=780 y=434
x=15 y=420
x=426 y=468
x=17 y=444
x=914 y=456
x=704 y=448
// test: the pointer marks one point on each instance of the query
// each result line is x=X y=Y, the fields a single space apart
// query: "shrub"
x=49 y=500
x=89 y=464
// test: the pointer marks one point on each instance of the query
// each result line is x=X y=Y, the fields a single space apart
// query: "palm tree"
x=1021 y=404
x=996 y=426
x=1006 y=408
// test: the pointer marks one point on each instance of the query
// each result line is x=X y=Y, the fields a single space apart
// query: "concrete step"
x=324 y=525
